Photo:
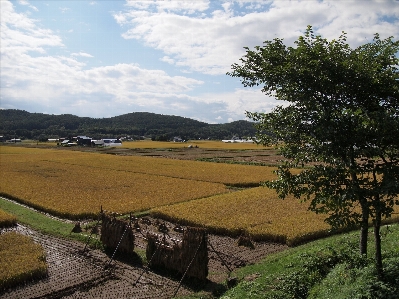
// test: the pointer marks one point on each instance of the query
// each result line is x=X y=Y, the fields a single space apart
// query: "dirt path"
x=74 y=274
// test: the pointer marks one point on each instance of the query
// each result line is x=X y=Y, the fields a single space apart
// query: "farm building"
x=83 y=141
x=112 y=142
x=67 y=142
x=97 y=142
x=15 y=140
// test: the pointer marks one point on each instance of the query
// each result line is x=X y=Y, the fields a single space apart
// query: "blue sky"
x=108 y=58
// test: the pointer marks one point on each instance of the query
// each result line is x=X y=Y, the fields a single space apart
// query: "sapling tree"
x=340 y=119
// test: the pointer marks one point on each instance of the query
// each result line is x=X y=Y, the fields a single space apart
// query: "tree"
x=341 y=121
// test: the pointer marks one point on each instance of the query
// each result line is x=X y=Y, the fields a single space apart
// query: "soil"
x=78 y=272
x=256 y=157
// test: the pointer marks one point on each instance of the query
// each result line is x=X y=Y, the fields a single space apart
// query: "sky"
x=107 y=58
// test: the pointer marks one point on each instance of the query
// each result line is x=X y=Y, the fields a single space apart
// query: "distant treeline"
x=38 y=126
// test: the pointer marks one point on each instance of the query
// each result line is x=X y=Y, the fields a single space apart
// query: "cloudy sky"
x=107 y=58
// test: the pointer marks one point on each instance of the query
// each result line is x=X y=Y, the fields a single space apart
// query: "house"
x=15 y=140
x=112 y=142
x=67 y=142
x=237 y=140
x=83 y=141
x=97 y=142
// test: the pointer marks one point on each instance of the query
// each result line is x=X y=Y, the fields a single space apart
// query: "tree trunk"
x=364 y=227
x=377 y=239
x=377 y=225
x=364 y=222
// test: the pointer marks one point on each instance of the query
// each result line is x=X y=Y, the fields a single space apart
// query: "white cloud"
x=59 y=82
x=167 y=59
x=211 y=43
x=237 y=102
x=192 y=36
x=20 y=34
x=188 y=7
x=64 y=9
x=24 y=2
x=83 y=54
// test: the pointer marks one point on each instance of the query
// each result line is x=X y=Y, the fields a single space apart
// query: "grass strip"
x=43 y=223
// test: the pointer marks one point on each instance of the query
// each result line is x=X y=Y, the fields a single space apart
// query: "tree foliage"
x=340 y=119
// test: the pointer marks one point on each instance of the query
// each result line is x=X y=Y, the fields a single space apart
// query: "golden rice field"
x=228 y=174
x=76 y=184
x=6 y=219
x=256 y=211
x=21 y=259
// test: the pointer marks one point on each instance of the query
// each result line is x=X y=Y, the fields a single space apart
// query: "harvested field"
x=73 y=274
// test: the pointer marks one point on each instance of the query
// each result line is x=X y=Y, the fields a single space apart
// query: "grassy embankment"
x=52 y=226
x=43 y=223
x=322 y=269
x=328 y=268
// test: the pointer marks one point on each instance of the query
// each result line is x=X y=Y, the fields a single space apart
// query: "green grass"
x=328 y=268
x=43 y=223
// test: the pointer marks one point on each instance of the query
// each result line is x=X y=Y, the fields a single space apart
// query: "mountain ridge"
x=16 y=123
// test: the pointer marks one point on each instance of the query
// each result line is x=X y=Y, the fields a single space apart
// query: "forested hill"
x=26 y=125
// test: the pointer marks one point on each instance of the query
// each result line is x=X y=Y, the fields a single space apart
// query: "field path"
x=73 y=274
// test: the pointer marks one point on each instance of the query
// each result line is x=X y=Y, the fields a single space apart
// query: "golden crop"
x=76 y=184
x=20 y=259
x=229 y=174
x=6 y=219
x=257 y=211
